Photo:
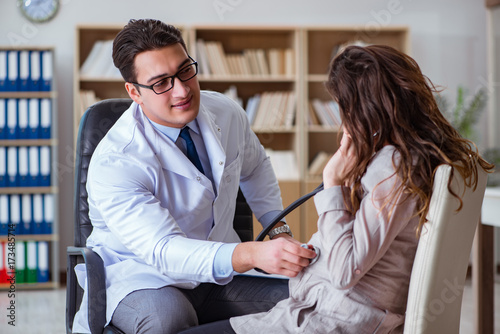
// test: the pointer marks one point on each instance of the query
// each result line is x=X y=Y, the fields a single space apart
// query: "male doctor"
x=162 y=210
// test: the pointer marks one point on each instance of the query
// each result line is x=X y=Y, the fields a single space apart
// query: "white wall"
x=448 y=39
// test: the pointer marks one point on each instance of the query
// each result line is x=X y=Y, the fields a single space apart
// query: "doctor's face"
x=175 y=107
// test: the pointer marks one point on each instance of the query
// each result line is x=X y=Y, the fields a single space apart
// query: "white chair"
x=443 y=253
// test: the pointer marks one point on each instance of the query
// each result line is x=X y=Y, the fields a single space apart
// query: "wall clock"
x=38 y=10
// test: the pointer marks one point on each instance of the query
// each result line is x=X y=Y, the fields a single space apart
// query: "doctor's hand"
x=337 y=168
x=282 y=256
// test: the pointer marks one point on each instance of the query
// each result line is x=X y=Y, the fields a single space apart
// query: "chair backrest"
x=443 y=253
x=95 y=123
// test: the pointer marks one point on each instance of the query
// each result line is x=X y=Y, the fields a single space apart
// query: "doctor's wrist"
x=281 y=229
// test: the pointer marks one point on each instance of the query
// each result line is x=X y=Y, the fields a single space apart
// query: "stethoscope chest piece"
x=313 y=248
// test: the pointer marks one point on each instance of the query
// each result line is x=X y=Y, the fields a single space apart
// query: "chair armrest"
x=96 y=288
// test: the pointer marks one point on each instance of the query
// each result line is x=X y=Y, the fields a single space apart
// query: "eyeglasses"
x=164 y=85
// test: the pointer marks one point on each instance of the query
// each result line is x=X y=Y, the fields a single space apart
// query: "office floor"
x=43 y=312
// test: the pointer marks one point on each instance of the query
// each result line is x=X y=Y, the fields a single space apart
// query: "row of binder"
x=26 y=214
x=25 y=118
x=25 y=166
x=24 y=262
x=26 y=70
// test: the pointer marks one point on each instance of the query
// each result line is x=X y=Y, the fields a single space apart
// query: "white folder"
x=22 y=156
x=4 y=214
x=12 y=170
x=15 y=209
x=34 y=118
x=20 y=260
x=43 y=261
x=45 y=165
x=12 y=118
x=35 y=70
x=31 y=260
x=37 y=227
x=22 y=114
x=12 y=70
x=45 y=117
x=48 y=212
x=3 y=119
x=24 y=69
x=3 y=70
x=3 y=166
x=26 y=207
x=34 y=165
x=47 y=70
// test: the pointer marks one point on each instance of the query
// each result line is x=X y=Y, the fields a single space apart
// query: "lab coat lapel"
x=212 y=133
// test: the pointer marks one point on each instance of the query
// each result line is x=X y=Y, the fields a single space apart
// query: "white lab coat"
x=147 y=201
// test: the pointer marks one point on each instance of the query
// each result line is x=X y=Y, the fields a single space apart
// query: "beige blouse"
x=360 y=282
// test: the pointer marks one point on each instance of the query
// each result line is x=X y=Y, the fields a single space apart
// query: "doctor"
x=162 y=210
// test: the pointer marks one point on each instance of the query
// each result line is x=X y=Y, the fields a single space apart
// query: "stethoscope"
x=262 y=235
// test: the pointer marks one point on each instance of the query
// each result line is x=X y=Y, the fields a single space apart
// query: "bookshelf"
x=296 y=61
x=28 y=176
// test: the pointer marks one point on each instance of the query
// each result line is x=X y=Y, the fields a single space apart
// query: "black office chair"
x=95 y=123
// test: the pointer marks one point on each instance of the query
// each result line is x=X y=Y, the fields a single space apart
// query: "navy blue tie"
x=191 y=149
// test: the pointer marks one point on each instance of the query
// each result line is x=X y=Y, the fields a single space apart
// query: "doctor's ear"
x=133 y=92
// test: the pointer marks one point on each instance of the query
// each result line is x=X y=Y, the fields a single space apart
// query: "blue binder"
x=12 y=167
x=45 y=118
x=43 y=262
x=3 y=167
x=48 y=213
x=34 y=166
x=34 y=118
x=15 y=212
x=12 y=125
x=3 y=119
x=45 y=166
x=46 y=70
x=22 y=119
x=37 y=203
x=3 y=71
x=35 y=71
x=23 y=166
x=4 y=214
x=26 y=214
x=12 y=71
x=24 y=70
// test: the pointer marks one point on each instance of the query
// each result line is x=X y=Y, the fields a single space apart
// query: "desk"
x=483 y=262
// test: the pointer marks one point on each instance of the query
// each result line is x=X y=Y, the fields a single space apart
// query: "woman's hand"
x=340 y=164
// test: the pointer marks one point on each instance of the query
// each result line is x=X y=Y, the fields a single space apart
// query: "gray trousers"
x=170 y=310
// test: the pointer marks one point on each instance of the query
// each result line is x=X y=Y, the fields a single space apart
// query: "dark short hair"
x=139 y=36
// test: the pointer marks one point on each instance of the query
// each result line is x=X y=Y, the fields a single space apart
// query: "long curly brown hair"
x=385 y=99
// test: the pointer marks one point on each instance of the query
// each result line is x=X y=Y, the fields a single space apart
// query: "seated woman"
x=378 y=187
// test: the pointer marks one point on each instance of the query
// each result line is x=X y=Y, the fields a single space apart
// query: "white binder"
x=22 y=153
x=34 y=166
x=12 y=170
x=26 y=207
x=22 y=114
x=34 y=118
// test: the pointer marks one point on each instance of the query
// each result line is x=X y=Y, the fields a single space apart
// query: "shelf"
x=29 y=142
x=31 y=286
x=28 y=95
x=31 y=237
x=33 y=203
x=249 y=78
x=29 y=190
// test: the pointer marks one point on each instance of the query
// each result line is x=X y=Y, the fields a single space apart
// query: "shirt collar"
x=173 y=133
